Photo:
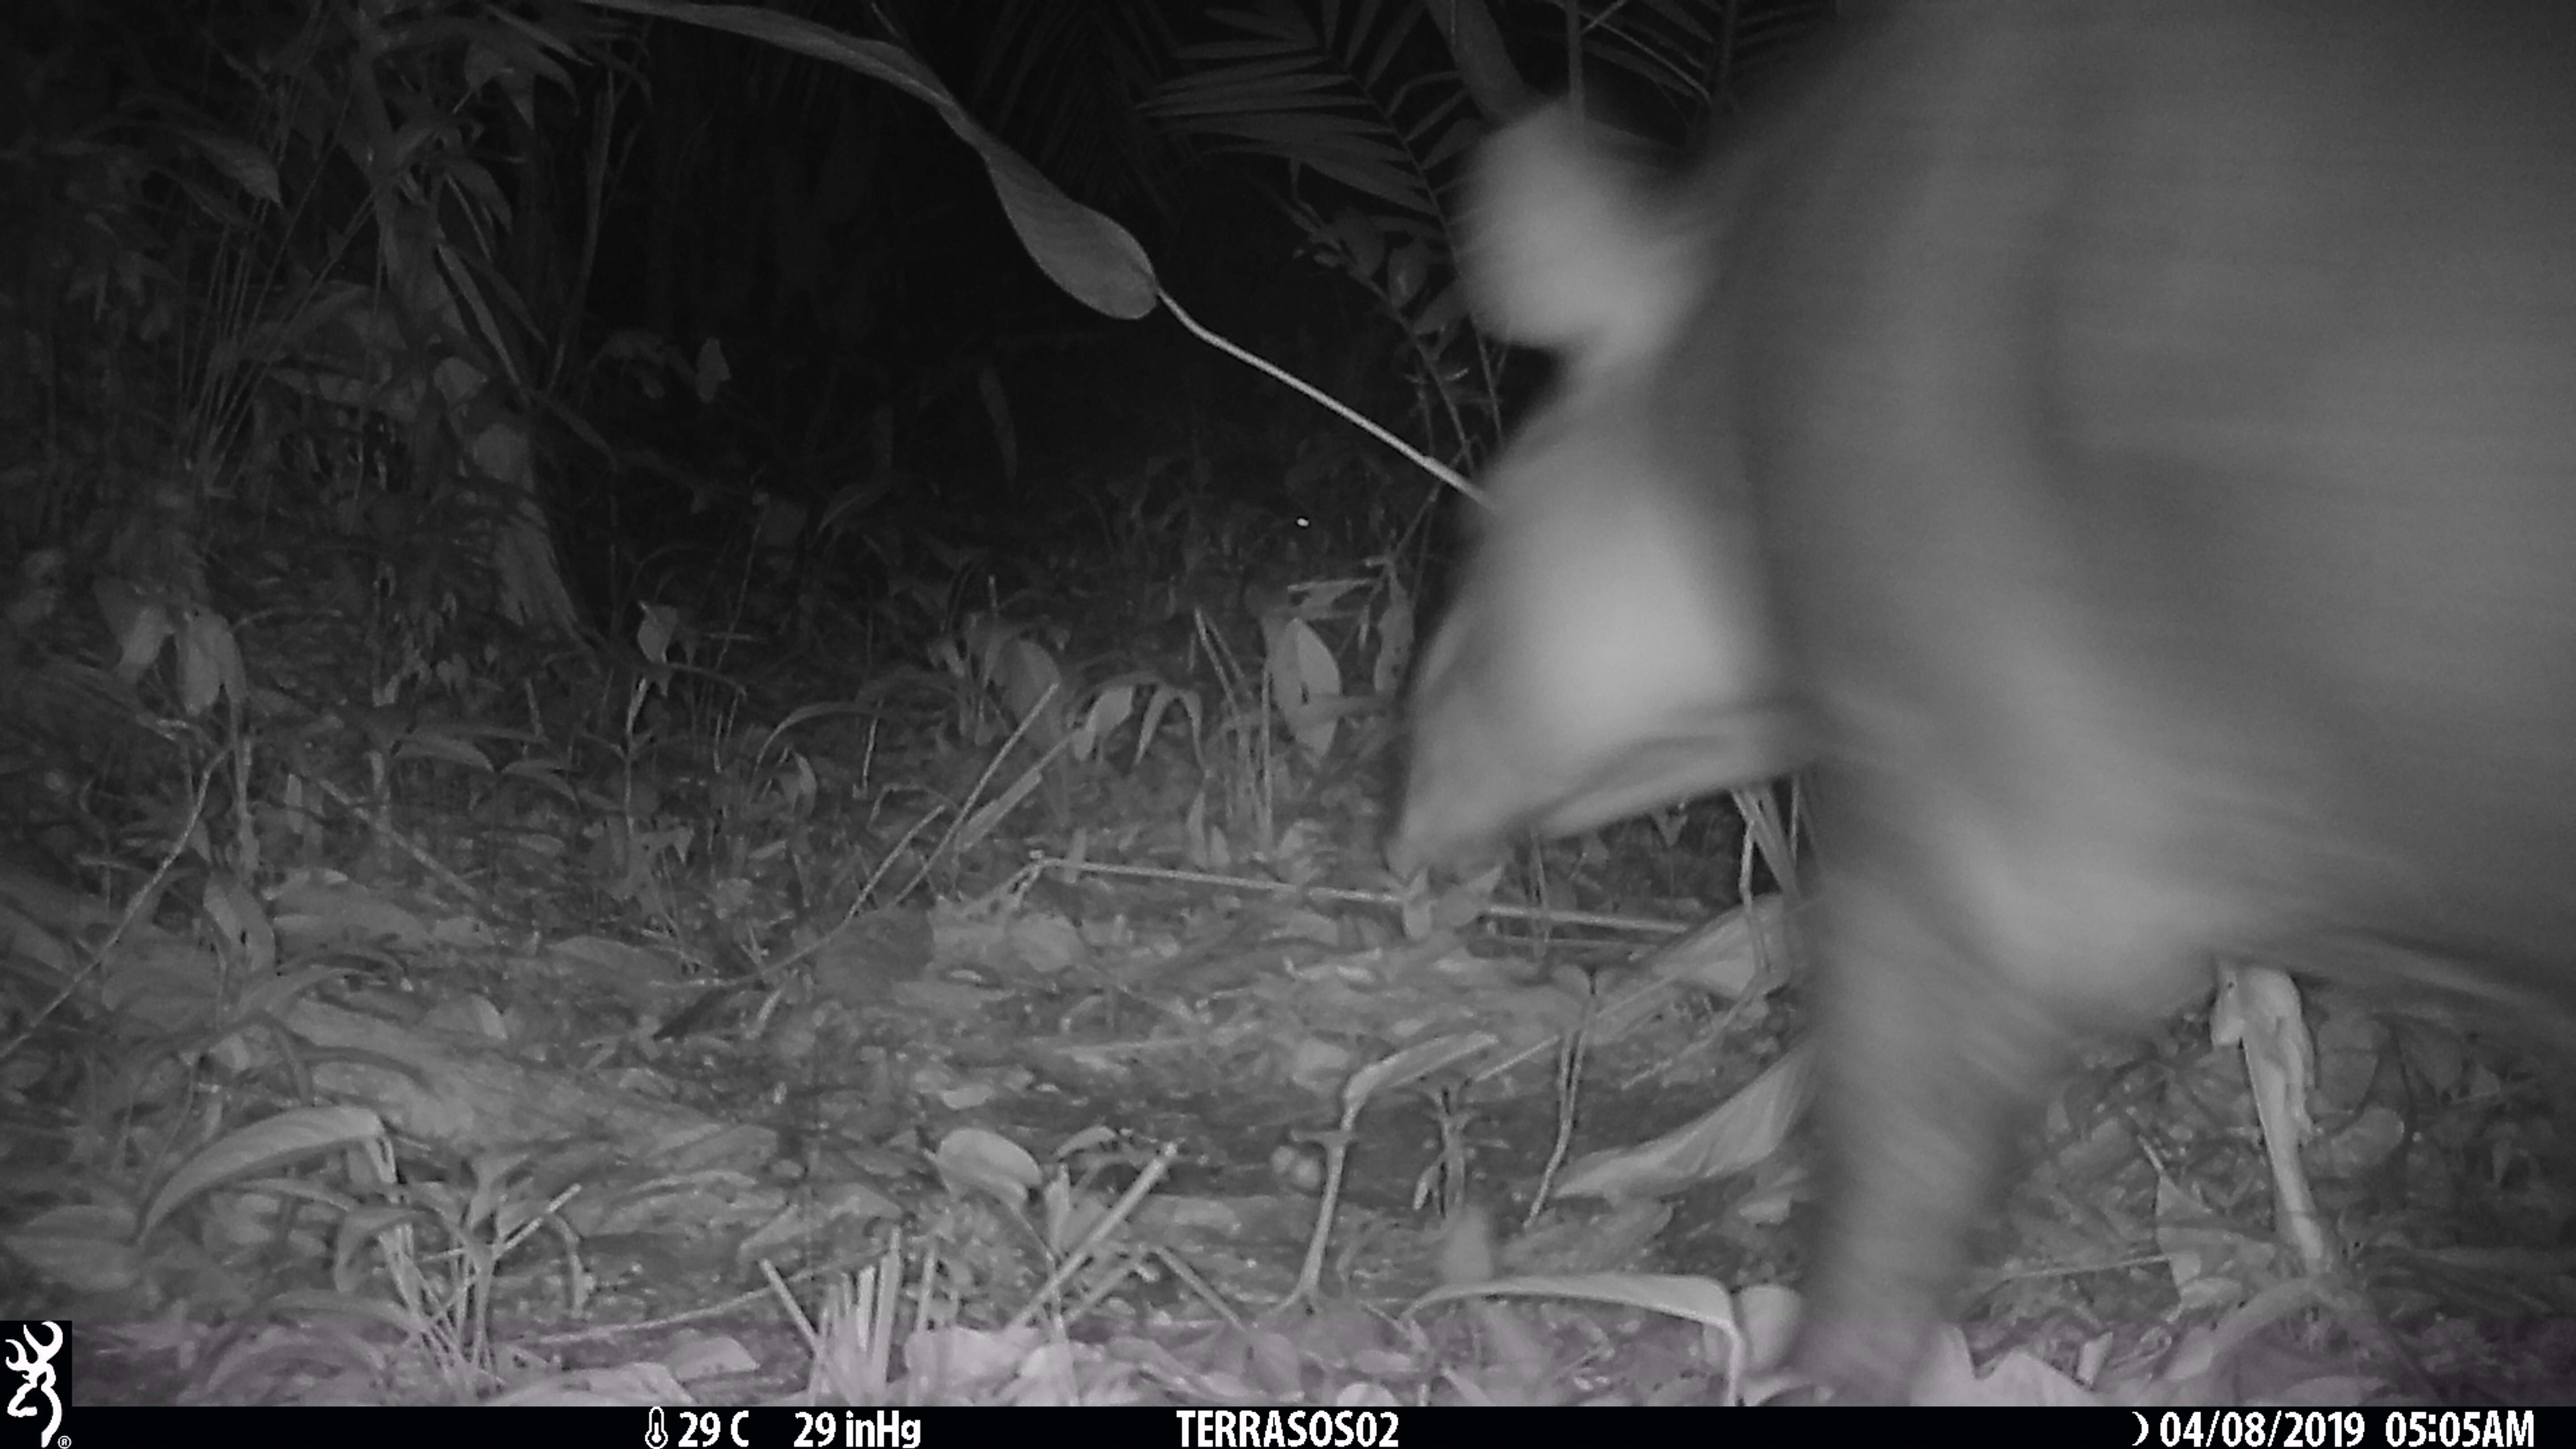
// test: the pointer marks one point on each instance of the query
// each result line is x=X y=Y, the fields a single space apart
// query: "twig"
x=134 y=905
x=385 y=831
x=1642 y=925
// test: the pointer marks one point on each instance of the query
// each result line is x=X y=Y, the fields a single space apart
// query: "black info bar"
x=634 y=1427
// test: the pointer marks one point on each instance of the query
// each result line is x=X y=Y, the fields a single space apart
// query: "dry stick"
x=770 y=972
x=866 y=891
x=385 y=831
x=976 y=791
x=1197 y=1282
x=1640 y=924
x=1569 y=1087
x=1653 y=985
x=1310 y=1272
x=124 y=922
x=1110 y=1221
x=862 y=1295
x=1416 y=456
x=722 y=1308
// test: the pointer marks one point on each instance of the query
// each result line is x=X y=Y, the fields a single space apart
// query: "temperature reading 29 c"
x=697 y=1429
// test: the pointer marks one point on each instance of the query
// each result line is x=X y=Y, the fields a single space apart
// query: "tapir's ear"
x=1569 y=247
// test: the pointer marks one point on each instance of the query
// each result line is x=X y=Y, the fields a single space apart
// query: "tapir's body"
x=2130 y=448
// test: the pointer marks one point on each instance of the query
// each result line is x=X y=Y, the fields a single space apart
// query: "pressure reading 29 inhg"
x=857 y=1429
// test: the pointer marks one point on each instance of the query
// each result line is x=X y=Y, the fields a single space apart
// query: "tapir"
x=2126 y=451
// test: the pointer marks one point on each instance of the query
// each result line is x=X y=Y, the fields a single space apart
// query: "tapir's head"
x=1609 y=651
